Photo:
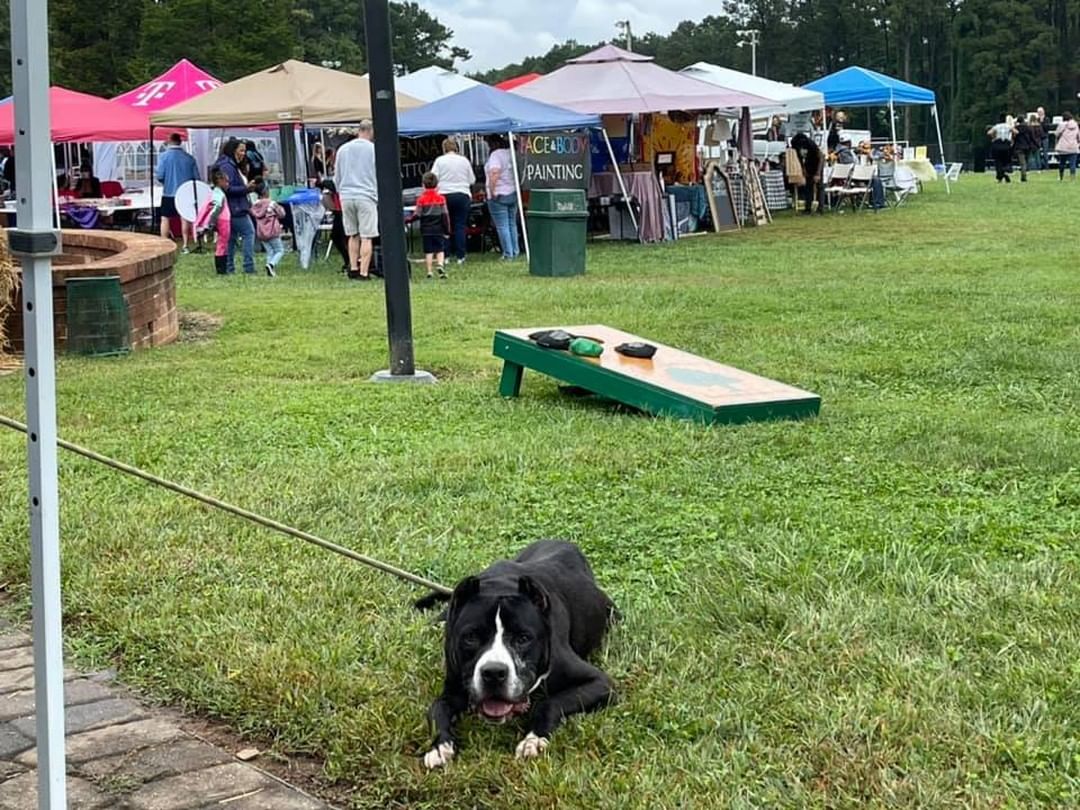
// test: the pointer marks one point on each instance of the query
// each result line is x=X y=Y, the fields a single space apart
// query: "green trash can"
x=97 y=316
x=557 y=220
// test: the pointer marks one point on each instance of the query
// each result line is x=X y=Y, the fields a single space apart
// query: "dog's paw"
x=531 y=747
x=439 y=756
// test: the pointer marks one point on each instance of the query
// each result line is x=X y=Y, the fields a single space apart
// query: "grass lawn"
x=877 y=607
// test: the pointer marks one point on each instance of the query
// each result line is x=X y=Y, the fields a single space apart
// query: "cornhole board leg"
x=510 y=382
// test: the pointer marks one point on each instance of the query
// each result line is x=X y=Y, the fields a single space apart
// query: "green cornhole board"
x=672 y=383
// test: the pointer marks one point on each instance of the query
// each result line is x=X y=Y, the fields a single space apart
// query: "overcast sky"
x=501 y=31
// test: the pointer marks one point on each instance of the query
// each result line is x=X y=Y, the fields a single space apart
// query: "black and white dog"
x=519 y=633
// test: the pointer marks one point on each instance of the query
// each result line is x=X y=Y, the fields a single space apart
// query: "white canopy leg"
x=517 y=188
x=33 y=144
x=941 y=148
x=622 y=184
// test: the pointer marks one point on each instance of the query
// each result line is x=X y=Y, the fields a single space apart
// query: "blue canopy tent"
x=487 y=110
x=858 y=86
x=484 y=110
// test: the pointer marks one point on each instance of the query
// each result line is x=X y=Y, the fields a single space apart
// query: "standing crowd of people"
x=242 y=213
x=1027 y=142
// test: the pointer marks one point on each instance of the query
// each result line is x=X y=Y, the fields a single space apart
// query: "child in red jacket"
x=434 y=219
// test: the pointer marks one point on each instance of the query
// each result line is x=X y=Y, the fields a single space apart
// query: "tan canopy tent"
x=292 y=92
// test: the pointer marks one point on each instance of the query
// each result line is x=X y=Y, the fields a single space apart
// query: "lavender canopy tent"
x=611 y=81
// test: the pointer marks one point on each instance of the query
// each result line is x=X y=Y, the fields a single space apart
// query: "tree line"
x=107 y=47
x=981 y=57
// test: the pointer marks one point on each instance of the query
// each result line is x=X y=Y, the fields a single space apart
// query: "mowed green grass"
x=877 y=607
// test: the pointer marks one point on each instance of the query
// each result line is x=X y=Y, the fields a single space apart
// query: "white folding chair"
x=899 y=183
x=838 y=180
x=858 y=187
x=953 y=172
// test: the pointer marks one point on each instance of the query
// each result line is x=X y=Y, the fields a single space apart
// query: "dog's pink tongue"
x=496 y=708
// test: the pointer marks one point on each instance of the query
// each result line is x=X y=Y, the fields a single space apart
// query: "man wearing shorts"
x=354 y=176
x=176 y=168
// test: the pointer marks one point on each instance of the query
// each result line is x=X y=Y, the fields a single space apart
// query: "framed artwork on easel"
x=721 y=199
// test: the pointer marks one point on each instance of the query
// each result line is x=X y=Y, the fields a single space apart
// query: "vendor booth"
x=783 y=100
x=287 y=95
x=649 y=112
x=486 y=110
x=81 y=118
x=859 y=87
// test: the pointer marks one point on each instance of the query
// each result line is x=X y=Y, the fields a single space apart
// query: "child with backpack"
x=268 y=229
x=434 y=219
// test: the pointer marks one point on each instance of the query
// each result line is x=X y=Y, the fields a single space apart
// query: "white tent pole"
x=941 y=147
x=34 y=241
x=892 y=120
x=55 y=184
x=622 y=185
x=517 y=188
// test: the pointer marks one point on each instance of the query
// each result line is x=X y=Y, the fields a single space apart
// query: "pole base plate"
x=418 y=378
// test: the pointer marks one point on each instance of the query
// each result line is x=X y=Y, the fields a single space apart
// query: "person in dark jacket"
x=812 y=163
x=255 y=161
x=87 y=187
x=233 y=154
x=1028 y=144
x=434 y=216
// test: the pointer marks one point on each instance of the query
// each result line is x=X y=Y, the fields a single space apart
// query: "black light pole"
x=388 y=172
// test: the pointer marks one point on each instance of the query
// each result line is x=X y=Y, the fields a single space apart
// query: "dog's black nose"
x=494 y=674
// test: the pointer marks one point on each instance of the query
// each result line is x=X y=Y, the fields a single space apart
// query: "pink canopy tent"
x=181 y=82
x=78 y=117
x=611 y=81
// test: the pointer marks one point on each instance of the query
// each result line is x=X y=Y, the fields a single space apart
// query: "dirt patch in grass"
x=198 y=327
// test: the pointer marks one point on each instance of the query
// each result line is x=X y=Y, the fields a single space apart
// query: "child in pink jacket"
x=215 y=215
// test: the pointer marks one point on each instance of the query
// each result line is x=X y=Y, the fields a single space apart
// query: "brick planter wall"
x=145 y=267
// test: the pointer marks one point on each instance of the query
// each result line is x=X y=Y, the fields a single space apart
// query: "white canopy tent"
x=784 y=98
x=434 y=83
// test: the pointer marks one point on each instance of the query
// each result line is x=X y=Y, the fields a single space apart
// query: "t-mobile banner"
x=554 y=160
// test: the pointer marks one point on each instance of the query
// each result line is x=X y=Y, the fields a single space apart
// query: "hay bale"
x=9 y=284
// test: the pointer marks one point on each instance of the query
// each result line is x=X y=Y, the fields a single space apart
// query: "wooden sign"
x=721 y=198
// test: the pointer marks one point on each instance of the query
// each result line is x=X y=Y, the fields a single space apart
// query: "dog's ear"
x=534 y=592
x=465 y=590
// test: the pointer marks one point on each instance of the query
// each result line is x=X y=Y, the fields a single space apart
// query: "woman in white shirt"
x=501 y=196
x=456 y=179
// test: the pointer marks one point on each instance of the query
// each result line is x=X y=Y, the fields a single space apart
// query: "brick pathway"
x=121 y=754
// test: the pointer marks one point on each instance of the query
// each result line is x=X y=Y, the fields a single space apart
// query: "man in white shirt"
x=354 y=176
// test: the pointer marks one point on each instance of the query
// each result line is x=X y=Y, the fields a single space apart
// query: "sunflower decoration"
x=9 y=284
